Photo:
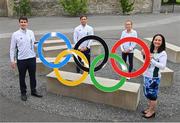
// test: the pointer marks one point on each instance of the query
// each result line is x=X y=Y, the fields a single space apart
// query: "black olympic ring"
x=100 y=40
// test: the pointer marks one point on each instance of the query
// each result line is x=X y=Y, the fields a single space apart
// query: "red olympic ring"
x=140 y=70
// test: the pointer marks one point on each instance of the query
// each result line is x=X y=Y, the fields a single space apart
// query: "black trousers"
x=23 y=66
x=88 y=56
x=130 y=58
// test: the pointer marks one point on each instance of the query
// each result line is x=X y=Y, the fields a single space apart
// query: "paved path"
x=146 y=25
x=14 y=112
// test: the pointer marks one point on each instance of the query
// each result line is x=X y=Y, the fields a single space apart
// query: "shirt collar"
x=24 y=31
x=83 y=26
x=130 y=31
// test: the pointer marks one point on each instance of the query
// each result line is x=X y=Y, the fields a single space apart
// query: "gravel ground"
x=168 y=106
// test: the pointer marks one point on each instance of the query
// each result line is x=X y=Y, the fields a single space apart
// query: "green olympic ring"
x=99 y=86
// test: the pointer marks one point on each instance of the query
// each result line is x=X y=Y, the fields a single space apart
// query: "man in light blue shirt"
x=81 y=31
x=128 y=47
x=22 y=49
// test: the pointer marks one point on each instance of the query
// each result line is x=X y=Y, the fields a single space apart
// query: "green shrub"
x=170 y=2
x=74 y=7
x=178 y=1
x=22 y=8
x=126 y=6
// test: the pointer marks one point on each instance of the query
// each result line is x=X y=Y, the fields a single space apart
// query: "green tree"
x=22 y=8
x=127 y=6
x=74 y=7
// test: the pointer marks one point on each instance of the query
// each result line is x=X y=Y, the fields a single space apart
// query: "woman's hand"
x=151 y=56
x=142 y=51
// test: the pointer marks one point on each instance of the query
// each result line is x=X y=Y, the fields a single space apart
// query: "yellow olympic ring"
x=75 y=53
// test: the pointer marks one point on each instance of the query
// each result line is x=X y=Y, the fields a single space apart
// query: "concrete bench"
x=127 y=97
x=173 y=51
x=41 y=69
x=48 y=43
x=53 y=51
x=166 y=74
x=56 y=42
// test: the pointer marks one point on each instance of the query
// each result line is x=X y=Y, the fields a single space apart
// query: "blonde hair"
x=129 y=21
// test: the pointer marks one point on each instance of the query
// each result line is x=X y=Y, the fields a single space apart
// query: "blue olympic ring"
x=40 y=44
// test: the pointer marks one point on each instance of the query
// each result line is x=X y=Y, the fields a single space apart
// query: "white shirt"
x=23 y=42
x=82 y=31
x=159 y=60
x=128 y=45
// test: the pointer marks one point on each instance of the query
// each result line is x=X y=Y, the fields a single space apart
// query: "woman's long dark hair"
x=162 y=47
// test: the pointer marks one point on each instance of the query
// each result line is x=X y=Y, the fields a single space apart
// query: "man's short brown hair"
x=83 y=16
x=23 y=18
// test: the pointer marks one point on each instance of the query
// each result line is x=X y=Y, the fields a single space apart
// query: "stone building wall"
x=103 y=6
x=46 y=8
x=113 y=6
x=52 y=8
x=10 y=5
x=143 y=6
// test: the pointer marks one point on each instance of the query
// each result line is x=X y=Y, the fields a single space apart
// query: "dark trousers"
x=88 y=56
x=23 y=66
x=130 y=58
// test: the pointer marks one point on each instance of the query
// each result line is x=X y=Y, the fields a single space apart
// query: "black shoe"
x=35 y=94
x=152 y=116
x=144 y=111
x=23 y=97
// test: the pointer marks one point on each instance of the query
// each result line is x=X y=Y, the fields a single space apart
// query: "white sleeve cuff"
x=153 y=61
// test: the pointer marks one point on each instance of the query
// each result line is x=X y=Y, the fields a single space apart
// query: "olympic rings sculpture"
x=67 y=54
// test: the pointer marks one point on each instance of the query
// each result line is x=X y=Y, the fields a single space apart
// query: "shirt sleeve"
x=12 y=48
x=122 y=36
x=75 y=36
x=162 y=62
x=90 y=41
x=134 y=44
x=33 y=39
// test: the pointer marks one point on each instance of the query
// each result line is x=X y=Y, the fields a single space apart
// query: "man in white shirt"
x=81 y=31
x=22 y=47
x=128 y=47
